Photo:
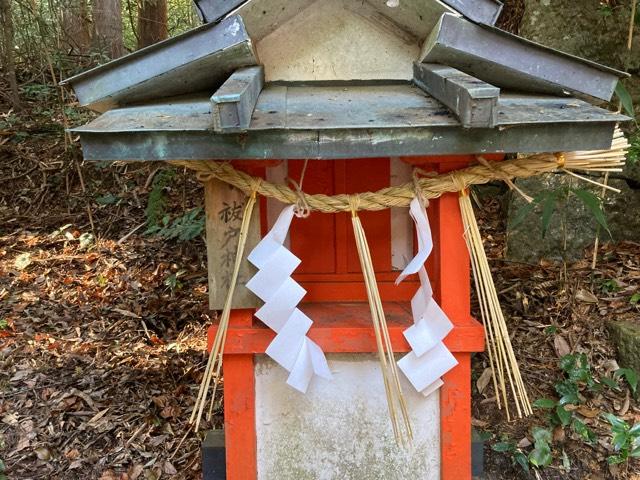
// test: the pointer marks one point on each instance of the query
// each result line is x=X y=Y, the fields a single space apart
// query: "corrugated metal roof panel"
x=509 y=61
x=200 y=59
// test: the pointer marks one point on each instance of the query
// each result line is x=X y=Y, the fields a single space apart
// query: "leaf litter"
x=551 y=312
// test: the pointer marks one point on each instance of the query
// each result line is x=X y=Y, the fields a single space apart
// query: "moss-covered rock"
x=572 y=228
x=626 y=336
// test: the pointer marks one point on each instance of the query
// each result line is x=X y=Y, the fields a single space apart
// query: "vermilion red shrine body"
x=337 y=303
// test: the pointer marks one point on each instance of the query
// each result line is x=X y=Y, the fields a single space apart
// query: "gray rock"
x=626 y=336
x=573 y=227
x=587 y=29
x=583 y=28
x=590 y=30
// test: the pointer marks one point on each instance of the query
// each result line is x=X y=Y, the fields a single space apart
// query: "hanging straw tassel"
x=395 y=398
x=214 y=364
x=502 y=359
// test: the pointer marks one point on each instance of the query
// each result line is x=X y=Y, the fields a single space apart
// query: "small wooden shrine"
x=314 y=124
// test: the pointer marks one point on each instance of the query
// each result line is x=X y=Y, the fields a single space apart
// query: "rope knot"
x=302 y=208
x=354 y=204
x=458 y=181
x=417 y=186
x=254 y=185
x=500 y=173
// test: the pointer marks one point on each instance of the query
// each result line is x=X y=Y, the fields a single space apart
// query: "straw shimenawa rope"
x=611 y=160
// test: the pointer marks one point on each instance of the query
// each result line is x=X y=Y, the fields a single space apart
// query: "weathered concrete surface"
x=341 y=429
x=626 y=336
x=572 y=227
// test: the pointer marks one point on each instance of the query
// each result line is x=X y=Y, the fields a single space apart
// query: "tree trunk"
x=8 y=60
x=152 y=22
x=76 y=26
x=107 y=27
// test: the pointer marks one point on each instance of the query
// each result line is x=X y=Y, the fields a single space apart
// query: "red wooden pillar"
x=239 y=407
x=453 y=293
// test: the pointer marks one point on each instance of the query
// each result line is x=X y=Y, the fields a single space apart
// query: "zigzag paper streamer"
x=291 y=348
x=429 y=358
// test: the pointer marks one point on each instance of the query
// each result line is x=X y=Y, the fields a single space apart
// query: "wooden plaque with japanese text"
x=224 y=206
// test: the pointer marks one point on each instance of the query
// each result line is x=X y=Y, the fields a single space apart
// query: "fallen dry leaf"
x=43 y=454
x=135 y=471
x=484 y=380
x=72 y=454
x=561 y=346
x=588 y=412
x=586 y=296
x=109 y=475
x=479 y=423
x=169 y=469
x=559 y=434
x=524 y=443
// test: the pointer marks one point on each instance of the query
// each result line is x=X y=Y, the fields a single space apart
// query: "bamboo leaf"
x=526 y=209
x=548 y=208
x=630 y=375
x=593 y=203
x=625 y=99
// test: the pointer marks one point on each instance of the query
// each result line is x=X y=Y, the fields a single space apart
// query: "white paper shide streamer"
x=429 y=358
x=291 y=348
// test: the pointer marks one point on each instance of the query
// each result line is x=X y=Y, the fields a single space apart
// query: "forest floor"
x=102 y=328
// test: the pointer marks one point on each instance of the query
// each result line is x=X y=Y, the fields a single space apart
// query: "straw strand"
x=214 y=363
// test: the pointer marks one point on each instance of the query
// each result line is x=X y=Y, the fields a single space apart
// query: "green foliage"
x=578 y=370
x=3 y=470
x=184 y=228
x=605 y=10
x=3 y=324
x=635 y=299
x=39 y=92
x=173 y=282
x=594 y=205
x=625 y=99
x=108 y=199
x=544 y=403
x=578 y=377
x=634 y=148
x=610 y=286
x=583 y=431
x=38 y=29
x=517 y=456
x=631 y=376
x=157 y=202
x=549 y=201
x=541 y=456
x=625 y=439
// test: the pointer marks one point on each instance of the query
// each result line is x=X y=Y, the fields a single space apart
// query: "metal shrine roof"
x=473 y=89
